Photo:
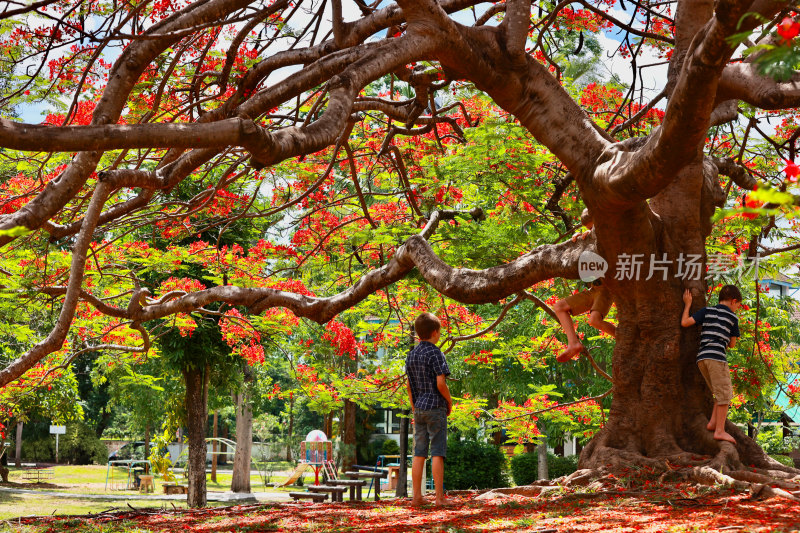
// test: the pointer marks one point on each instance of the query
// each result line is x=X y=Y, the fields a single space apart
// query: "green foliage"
x=79 y=446
x=82 y=446
x=525 y=467
x=473 y=464
x=773 y=441
x=39 y=450
x=159 y=456
x=390 y=447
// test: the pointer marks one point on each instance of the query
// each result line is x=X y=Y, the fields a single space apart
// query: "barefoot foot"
x=571 y=351
x=725 y=436
x=417 y=502
x=711 y=426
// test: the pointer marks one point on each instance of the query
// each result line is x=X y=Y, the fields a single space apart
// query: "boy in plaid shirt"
x=427 y=369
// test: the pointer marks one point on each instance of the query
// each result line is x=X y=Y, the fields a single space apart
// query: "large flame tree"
x=182 y=118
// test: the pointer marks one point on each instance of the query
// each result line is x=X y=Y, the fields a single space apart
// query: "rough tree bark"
x=147 y=441
x=290 y=430
x=244 y=443
x=214 y=446
x=541 y=456
x=18 y=447
x=196 y=380
x=401 y=491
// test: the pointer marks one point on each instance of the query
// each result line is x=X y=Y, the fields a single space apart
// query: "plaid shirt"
x=423 y=364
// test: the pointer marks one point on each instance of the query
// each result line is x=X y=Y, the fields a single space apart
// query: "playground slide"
x=301 y=467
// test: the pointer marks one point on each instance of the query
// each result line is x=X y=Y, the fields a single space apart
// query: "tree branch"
x=741 y=81
x=737 y=173
x=630 y=177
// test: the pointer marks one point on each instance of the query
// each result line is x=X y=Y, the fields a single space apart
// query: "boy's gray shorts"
x=430 y=427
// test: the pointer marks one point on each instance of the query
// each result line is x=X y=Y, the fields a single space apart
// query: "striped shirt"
x=423 y=364
x=719 y=325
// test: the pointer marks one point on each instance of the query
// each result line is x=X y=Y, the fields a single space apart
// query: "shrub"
x=39 y=450
x=79 y=446
x=390 y=447
x=473 y=465
x=368 y=454
x=525 y=467
x=82 y=446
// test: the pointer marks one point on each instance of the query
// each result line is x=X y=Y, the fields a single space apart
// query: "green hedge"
x=525 y=467
x=80 y=446
x=473 y=465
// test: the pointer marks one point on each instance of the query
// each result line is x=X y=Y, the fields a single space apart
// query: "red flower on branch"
x=788 y=29
x=792 y=171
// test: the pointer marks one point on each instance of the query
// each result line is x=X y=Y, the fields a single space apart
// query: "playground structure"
x=316 y=452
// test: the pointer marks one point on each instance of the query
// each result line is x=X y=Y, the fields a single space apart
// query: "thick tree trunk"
x=223 y=448
x=349 y=435
x=327 y=425
x=291 y=430
x=541 y=456
x=214 y=447
x=197 y=420
x=492 y=402
x=244 y=443
x=661 y=404
x=18 y=449
x=147 y=442
x=402 y=474
x=4 y=466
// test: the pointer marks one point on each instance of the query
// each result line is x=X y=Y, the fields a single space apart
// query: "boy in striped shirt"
x=720 y=331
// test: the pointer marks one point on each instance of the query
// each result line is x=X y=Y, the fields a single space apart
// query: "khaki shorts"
x=718 y=377
x=595 y=299
x=430 y=429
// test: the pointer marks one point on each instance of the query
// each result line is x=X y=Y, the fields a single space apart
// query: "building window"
x=394 y=421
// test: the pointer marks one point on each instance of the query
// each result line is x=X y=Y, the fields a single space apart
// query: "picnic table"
x=38 y=473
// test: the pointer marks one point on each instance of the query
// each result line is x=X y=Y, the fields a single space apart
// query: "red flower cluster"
x=788 y=29
x=751 y=203
x=791 y=171
x=794 y=388
x=341 y=337
x=243 y=338
x=482 y=357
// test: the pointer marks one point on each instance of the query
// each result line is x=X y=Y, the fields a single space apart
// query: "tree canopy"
x=277 y=166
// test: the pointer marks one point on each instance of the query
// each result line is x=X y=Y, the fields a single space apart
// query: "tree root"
x=627 y=473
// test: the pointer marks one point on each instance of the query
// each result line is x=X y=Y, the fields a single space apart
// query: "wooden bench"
x=355 y=485
x=172 y=488
x=316 y=496
x=336 y=492
x=375 y=476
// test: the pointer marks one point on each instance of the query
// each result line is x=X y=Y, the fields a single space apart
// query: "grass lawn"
x=91 y=479
x=17 y=505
